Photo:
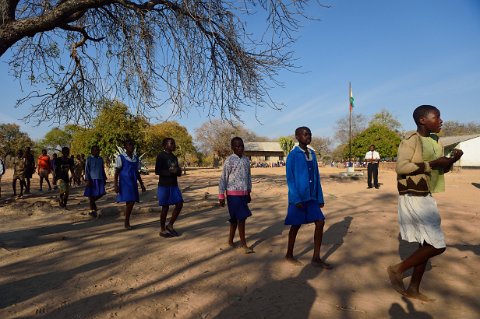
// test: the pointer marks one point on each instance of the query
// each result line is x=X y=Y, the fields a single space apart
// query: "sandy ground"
x=56 y=263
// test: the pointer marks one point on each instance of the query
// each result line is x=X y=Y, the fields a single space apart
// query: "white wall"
x=471 y=153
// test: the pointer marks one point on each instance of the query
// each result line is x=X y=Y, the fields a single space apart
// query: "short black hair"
x=65 y=149
x=129 y=141
x=422 y=111
x=166 y=139
x=236 y=138
x=297 y=131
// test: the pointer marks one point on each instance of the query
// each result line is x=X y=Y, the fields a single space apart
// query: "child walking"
x=44 y=167
x=236 y=182
x=18 y=173
x=127 y=167
x=420 y=168
x=305 y=196
x=96 y=179
x=168 y=193
x=63 y=165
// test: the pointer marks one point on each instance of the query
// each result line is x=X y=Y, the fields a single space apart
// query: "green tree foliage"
x=12 y=139
x=384 y=117
x=155 y=134
x=385 y=140
x=452 y=128
x=286 y=144
x=56 y=138
x=113 y=125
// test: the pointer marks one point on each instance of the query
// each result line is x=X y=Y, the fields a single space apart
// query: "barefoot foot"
x=317 y=262
x=293 y=261
x=410 y=293
x=396 y=280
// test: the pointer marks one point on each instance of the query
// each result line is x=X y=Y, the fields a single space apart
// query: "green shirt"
x=431 y=151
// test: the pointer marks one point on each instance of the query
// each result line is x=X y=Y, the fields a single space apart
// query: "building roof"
x=454 y=140
x=263 y=147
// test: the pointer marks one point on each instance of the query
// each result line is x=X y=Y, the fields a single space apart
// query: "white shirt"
x=118 y=160
x=372 y=155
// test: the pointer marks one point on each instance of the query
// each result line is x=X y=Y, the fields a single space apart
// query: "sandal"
x=171 y=230
x=165 y=234
x=248 y=250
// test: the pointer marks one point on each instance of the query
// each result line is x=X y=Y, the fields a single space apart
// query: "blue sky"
x=397 y=55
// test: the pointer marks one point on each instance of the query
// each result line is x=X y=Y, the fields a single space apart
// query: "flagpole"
x=350 y=123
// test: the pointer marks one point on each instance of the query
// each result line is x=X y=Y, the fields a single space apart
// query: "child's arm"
x=222 y=184
x=161 y=167
x=405 y=166
x=103 y=170
x=294 y=197
x=87 y=172
x=115 y=179
x=139 y=178
x=446 y=163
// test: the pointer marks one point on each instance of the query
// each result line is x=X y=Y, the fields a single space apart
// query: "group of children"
x=420 y=168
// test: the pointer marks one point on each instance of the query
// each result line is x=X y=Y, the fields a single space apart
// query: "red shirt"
x=44 y=162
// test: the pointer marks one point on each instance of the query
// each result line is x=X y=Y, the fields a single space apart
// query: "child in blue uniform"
x=305 y=196
x=96 y=179
x=168 y=193
x=236 y=182
x=127 y=166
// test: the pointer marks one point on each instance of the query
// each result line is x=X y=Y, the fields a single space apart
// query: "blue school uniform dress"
x=303 y=179
x=95 y=173
x=128 y=175
x=236 y=182
x=168 y=192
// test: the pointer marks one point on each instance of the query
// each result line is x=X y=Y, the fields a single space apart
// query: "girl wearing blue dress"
x=127 y=167
x=305 y=196
x=95 y=178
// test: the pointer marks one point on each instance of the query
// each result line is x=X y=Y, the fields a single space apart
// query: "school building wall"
x=265 y=157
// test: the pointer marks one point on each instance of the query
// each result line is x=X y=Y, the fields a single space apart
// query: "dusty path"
x=62 y=264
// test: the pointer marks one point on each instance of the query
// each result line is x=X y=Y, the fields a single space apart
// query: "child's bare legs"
x=241 y=232
x=292 y=235
x=418 y=260
x=27 y=186
x=317 y=243
x=14 y=185
x=175 y=213
x=163 y=218
x=128 y=212
x=231 y=236
x=48 y=183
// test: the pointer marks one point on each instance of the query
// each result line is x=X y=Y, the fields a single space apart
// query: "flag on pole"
x=351 y=98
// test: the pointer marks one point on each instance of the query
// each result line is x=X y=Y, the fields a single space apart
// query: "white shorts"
x=420 y=221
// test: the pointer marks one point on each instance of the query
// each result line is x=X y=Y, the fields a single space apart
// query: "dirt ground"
x=57 y=263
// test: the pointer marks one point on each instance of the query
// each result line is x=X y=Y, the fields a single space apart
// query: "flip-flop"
x=172 y=231
x=248 y=250
x=165 y=234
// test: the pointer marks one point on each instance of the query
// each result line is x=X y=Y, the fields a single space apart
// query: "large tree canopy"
x=12 y=139
x=386 y=142
x=178 y=54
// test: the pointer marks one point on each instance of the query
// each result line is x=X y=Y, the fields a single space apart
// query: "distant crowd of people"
x=267 y=164
x=24 y=166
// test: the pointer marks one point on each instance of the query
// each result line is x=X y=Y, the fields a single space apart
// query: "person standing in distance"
x=372 y=158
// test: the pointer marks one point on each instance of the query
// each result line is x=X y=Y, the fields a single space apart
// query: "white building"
x=469 y=144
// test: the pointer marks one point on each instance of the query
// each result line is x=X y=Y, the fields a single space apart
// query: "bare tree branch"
x=157 y=54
